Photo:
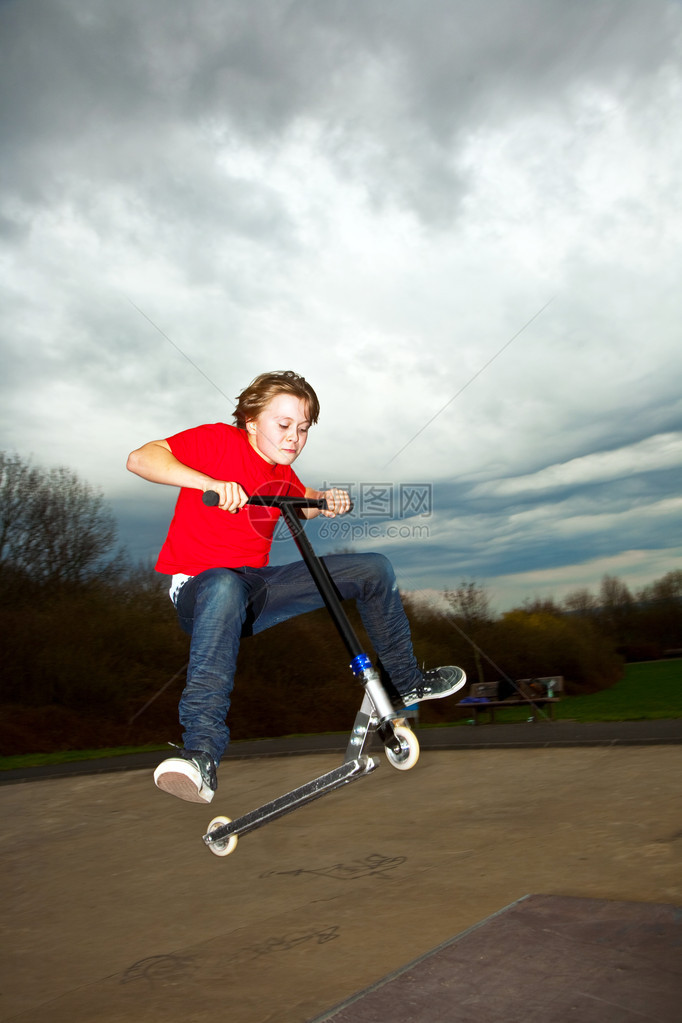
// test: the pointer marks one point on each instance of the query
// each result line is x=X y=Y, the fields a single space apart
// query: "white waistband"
x=177 y=582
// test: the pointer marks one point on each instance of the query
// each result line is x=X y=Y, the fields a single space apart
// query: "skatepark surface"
x=113 y=908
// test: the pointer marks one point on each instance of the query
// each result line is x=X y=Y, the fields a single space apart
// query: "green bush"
x=532 y=644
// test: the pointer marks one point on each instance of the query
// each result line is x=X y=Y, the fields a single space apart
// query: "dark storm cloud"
x=391 y=86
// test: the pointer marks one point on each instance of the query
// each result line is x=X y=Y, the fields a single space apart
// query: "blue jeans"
x=220 y=605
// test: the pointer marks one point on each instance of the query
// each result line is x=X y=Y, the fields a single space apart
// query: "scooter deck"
x=350 y=771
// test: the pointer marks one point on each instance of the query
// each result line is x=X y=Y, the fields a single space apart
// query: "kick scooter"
x=376 y=714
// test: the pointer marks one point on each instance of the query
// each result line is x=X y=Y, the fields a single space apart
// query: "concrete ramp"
x=543 y=958
x=114 y=911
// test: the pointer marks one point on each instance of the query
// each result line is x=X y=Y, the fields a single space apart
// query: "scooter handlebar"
x=211 y=498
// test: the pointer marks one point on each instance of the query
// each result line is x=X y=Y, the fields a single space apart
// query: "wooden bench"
x=528 y=692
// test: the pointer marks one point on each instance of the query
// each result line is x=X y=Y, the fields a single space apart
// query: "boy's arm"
x=338 y=502
x=156 y=462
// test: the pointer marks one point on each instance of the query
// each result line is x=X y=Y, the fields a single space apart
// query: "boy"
x=222 y=586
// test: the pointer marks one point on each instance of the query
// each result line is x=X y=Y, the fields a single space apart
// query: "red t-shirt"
x=201 y=537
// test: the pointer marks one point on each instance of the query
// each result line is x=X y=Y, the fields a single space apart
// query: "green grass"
x=20 y=760
x=649 y=690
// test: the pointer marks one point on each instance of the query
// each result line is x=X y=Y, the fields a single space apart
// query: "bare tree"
x=581 y=602
x=660 y=608
x=470 y=603
x=667 y=589
x=617 y=609
x=18 y=481
x=53 y=526
x=471 y=607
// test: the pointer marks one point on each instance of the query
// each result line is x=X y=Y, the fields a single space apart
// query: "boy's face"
x=279 y=433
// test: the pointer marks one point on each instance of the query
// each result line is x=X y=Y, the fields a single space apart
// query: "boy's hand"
x=338 y=502
x=231 y=495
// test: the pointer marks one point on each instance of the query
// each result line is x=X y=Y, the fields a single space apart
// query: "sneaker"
x=190 y=776
x=435 y=684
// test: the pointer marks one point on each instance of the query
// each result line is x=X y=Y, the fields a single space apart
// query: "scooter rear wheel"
x=228 y=845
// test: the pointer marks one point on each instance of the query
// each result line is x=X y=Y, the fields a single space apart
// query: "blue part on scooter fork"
x=368 y=675
x=360 y=663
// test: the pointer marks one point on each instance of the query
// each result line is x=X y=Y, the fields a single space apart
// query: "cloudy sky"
x=462 y=222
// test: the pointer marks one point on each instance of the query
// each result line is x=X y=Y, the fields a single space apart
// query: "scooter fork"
x=376 y=712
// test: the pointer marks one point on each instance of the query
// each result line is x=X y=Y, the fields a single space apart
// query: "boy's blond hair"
x=261 y=391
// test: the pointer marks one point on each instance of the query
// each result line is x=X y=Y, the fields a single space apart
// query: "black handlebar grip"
x=211 y=499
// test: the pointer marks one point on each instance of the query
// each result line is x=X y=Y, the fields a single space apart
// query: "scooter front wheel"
x=409 y=749
x=228 y=845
